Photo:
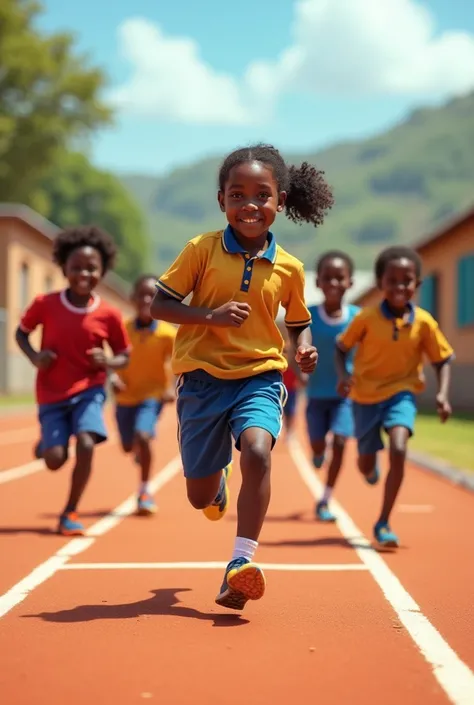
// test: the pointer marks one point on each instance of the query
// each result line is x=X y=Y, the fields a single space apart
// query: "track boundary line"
x=50 y=566
x=20 y=471
x=453 y=675
x=218 y=565
x=34 y=466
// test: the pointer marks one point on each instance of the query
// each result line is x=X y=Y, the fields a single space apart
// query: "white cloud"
x=386 y=47
x=170 y=79
x=339 y=48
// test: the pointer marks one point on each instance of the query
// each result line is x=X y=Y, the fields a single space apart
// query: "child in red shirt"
x=72 y=364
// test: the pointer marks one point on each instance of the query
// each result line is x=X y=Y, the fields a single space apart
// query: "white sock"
x=143 y=488
x=244 y=548
x=326 y=494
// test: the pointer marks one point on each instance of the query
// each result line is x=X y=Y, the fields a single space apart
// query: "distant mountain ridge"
x=391 y=188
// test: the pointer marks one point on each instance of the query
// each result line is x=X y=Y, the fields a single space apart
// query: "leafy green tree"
x=76 y=192
x=48 y=97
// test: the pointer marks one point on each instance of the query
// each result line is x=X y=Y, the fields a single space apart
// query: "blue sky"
x=191 y=79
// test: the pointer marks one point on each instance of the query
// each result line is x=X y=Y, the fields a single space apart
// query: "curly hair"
x=72 y=238
x=335 y=254
x=393 y=253
x=308 y=195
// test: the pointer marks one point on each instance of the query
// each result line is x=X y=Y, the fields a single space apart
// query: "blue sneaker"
x=322 y=512
x=146 y=505
x=385 y=536
x=318 y=461
x=218 y=508
x=69 y=525
x=243 y=581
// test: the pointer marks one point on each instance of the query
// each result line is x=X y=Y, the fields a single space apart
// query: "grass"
x=12 y=400
x=452 y=442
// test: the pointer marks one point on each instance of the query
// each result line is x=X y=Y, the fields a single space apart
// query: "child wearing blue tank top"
x=326 y=411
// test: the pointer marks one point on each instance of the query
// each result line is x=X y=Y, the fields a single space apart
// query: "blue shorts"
x=82 y=413
x=290 y=407
x=329 y=415
x=370 y=419
x=139 y=418
x=211 y=411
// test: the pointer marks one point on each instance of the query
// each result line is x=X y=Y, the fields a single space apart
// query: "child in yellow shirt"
x=145 y=385
x=391 y=340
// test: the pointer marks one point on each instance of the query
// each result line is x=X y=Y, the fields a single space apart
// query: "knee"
x=339 y=443
x=255 y=455
x=141 y=439
x=85 y=444
x=199 y=500
x=55 y=458
x=202 y=494
x=398 y=448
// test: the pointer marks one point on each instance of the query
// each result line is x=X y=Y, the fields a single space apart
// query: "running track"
x=127 y=614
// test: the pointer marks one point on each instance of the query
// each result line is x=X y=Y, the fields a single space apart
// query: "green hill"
x=391 y=188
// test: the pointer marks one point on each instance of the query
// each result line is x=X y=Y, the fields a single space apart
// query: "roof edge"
x=19 y=211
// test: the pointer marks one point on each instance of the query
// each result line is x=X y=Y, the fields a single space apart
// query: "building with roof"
x=27 y=269
x=447 y=292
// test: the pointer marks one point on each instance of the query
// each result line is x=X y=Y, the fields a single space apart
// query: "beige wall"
x=26 y=270
x=441 y=258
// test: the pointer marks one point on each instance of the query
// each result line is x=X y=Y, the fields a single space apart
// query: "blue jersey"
x=322 y=383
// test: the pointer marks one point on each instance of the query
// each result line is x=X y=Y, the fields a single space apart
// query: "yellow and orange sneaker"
x=216 y=510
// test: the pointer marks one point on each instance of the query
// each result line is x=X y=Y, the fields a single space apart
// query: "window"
x=465 y=302
x=429 y=294
x=24 y=285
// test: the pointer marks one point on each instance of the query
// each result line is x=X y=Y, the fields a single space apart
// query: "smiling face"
x=83 y=270
x=142 y=298
x=399 y=283
x=251 y=200
x=334 y=279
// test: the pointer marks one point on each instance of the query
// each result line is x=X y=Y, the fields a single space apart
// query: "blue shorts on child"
x=138 y=418
x=81 y=413
x=329 y=415
x=211 y=411
x=370 y=419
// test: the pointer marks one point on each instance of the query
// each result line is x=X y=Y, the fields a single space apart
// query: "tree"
x=48 y=97
x=76 y=192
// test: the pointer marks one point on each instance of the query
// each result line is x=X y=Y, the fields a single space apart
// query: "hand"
x=117 y=384
x=443 y=408
x=168 y=397
x=344 y=386
x=44 y=359
x=233 y=313
x=306 y=358
x=97 y=357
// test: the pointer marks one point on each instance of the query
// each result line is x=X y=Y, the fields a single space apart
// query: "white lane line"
x=454 y=676
x=21 y=471
x=214 y=565
x=415 y=508
x=35 y=466
x=41 y=573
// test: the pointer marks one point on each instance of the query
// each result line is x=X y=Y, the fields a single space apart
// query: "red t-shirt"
x=69 y=332
x=290 y=380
